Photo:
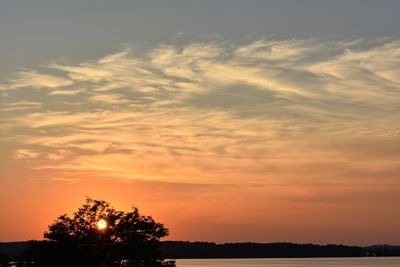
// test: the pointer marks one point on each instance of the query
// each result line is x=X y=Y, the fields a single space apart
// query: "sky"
x=228 y=121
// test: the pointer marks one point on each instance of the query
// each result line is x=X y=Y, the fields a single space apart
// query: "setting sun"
x=101 y=224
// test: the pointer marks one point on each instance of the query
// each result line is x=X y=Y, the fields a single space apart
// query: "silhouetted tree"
x=4 y=260
x=129 y=239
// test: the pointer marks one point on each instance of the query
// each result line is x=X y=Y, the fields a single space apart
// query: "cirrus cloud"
x=213 y=112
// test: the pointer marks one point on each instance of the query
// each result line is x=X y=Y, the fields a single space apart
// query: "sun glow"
x=101 y=224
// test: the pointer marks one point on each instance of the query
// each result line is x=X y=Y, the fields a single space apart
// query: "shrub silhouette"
x=130 y=239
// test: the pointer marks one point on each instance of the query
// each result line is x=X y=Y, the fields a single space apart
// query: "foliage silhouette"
x=130 y=239
x=4 y=259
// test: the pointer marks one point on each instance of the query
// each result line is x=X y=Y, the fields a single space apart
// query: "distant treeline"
x=181 y=250
x=187 y=250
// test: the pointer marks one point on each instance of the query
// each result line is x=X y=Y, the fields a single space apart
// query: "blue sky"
x=36 y=31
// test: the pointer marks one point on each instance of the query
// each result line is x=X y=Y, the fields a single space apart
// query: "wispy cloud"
x=67 y=92
x=20 y=105
x=109 y=98
x=25 y=154
x=35 y=79
x=215 y=112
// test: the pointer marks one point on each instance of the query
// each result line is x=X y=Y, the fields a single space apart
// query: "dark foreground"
x=293 y=262
x=208 y=250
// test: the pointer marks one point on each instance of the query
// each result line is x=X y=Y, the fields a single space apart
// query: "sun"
x=101 y=224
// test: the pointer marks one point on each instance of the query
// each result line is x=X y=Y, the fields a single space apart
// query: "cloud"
x=291 y=111
x=20 y=105
x=66 y=92
x=110 y=99
x=34 y=79
x=25 y=154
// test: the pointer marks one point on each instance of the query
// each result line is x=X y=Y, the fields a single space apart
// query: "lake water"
x=311 y=262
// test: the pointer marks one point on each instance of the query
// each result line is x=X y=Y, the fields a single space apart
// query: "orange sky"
x=268 y=141
x=320 y=213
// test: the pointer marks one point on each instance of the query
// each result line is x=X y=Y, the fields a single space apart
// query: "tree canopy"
x=99 y=235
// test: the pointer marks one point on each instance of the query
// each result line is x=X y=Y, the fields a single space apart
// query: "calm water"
x=320 y=262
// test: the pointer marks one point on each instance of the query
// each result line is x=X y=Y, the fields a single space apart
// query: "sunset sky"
x=228 y=121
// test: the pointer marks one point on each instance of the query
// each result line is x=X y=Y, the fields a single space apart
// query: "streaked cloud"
x=67 y=92
x=25 y=154
x=35 y=79
x=292 y=111
x=110 y=98
x=20 y=105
